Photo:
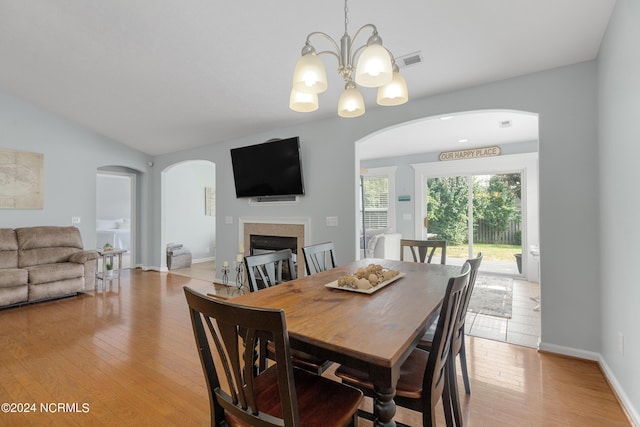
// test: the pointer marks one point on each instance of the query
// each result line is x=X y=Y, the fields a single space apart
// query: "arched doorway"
x=116 y=211
x=188 y=212
x=409 y=156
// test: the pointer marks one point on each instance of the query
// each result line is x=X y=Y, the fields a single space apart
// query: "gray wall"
x=183 y=208
x=324 y=187
x=72 y=156
x=566 y=102
x=587 y=192
x=619 y=98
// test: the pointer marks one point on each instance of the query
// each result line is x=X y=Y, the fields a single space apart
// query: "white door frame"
x=527 y=164
x=132 y=207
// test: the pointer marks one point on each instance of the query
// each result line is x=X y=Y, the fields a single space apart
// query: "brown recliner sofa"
x=41 y=263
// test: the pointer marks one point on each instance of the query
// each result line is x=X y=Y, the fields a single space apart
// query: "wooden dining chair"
x=458 y=347
x=266 y=270
x=424 y=375
x=282 y=395
x=423 y=250
x=319 y=257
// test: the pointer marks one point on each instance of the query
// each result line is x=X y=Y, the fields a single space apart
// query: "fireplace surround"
x=282 y=227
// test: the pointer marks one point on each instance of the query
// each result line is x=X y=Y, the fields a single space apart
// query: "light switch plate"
x=332 y=221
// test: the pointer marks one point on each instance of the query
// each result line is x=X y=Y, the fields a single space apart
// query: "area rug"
x=492 y=295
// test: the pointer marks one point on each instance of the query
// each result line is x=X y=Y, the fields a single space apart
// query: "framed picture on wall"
x=21 y=180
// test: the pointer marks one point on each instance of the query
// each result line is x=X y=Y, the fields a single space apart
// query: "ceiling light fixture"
x=375 y=68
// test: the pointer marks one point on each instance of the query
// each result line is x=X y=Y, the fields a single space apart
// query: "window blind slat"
x=376 y=202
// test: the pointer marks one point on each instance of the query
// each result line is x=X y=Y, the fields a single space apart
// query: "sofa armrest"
x=83 y=256
x=88 y=258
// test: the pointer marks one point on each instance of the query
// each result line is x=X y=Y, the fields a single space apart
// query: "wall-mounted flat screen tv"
x=273 y=168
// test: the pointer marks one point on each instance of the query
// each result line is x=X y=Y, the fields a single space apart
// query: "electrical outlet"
x=621 y=343
x=75 y=220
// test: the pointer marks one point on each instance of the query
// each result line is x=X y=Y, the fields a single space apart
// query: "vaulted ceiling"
x=165 y=75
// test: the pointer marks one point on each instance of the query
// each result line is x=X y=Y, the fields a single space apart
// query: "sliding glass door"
x=448 y=214
x=478 y=213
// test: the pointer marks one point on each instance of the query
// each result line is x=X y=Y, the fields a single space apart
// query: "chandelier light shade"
x=395 y=92
x=303 y=102
x=375 y=69
x=351 y=103
x=310 y=76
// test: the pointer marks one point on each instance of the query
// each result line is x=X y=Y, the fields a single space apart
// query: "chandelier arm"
x=355 y=52
x=326 y=36
x=375 y=31
x=331 y=53
x=353 y=40
x=393 y=58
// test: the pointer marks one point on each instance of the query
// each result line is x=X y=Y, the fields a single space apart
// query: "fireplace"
x=259 y=243
x=288 y=228
x=262 y=244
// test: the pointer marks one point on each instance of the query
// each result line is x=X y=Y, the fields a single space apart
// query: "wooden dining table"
x=372 y=332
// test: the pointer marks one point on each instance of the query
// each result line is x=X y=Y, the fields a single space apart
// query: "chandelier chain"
x=346 y=19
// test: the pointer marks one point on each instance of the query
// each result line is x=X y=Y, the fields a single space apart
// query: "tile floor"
x=523 y=328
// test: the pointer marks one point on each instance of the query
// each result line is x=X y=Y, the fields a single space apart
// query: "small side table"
x=107 y=257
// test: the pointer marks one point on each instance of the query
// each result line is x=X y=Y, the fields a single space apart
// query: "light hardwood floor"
x=126 y=356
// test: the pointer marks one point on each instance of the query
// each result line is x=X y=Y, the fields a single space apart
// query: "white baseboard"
x=154 y=268
x=199 y=260
x=631 y=411
x=569 y=351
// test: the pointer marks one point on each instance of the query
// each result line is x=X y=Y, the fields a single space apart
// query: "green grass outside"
x=493 y=252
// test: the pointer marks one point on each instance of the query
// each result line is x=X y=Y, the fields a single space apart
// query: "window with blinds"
x=376 y=202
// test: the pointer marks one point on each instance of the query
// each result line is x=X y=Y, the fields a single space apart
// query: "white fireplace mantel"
x=282 y=222
x=305 y=221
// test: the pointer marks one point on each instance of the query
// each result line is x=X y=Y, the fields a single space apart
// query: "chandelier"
x=375 y=68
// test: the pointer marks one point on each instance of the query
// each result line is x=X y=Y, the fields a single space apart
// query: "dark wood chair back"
x=224 y=324
x=278 y=396
x=435 y=380
x=458 y=330
x=319 y=257
x=423 y=250
x=265 y=270
x=457 y=341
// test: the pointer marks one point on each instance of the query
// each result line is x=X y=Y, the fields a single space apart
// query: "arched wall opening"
x=408 y=156
x=188 y=211
x=118 y=211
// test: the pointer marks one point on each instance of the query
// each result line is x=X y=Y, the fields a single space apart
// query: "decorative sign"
x=473 y=153
x=21 y=179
